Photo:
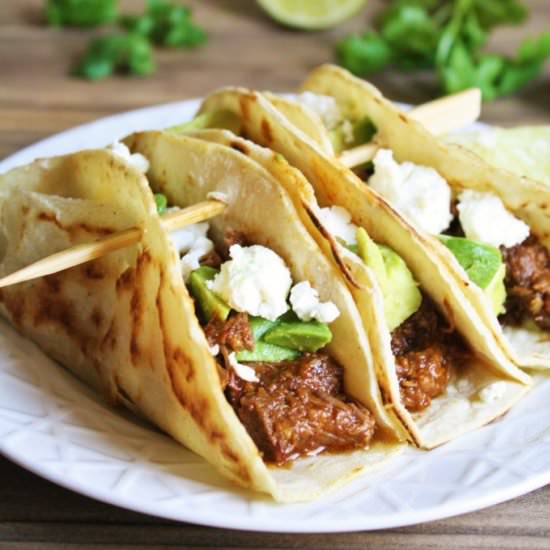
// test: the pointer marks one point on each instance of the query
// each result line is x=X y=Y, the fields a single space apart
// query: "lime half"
x=311 y=14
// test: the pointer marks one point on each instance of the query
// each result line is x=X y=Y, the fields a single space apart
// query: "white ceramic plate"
x=54 y=426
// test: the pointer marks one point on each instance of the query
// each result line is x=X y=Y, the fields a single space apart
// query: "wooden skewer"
x=83 y=253
x=439 y=116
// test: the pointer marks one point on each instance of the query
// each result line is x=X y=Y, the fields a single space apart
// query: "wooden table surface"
x=37 y=98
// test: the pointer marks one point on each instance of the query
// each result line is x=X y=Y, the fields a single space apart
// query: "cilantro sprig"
x=80 y=13
x=122 y=52
x=448 y=36
x=165 y=23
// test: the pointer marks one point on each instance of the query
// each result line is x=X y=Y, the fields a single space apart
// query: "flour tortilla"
x=529 y=200
x=464 y=406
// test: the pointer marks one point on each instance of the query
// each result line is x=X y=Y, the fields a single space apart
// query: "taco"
x=261 y=398
x=460 y=379
x=493 y=230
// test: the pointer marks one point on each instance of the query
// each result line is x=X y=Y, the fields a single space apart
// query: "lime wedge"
x=311 y=14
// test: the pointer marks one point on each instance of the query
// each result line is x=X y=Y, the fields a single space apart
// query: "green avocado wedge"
x=208 y=303
x=484 y=266
x=306 y=336
x=213 y=119
x=401 y=295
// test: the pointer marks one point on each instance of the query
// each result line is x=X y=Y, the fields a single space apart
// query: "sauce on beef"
x=527 y=283
x=425 y=350
x=298 y=408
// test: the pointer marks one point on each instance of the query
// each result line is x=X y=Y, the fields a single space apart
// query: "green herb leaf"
x=130 y=53
x=167 y=24
x=161 y=203
x=364 y=54
x=448 y=36
x=80 y=13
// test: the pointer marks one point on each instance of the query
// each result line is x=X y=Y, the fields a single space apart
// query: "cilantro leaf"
x=364 y=54
x=166 y=24
x=80 y=13
x=118 y=52
x=448 y=36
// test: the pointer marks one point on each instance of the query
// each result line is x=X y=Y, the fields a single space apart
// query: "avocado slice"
x=212 y=119
x=260 y=326
x=267 y=353
x=363 y=131
x=299 y=335
x=483 y=265
x=161 y=203
x=209 y=304
x=371 y=255
x=480 y=261
x=401 y=295
x=496 y=291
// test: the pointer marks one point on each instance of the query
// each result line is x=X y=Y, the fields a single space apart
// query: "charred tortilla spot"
x=245 y=107
x=126 y=279
x=110 y=337
x=91 y=229
x=96 y=317
x=215 y=435
x=449 y=315
x=137 y=303
x=74 y=228
x=403 y=118
x=53 y=283
x=238 y=146
x=543 y=206
x=15 y=304
x=266 y=131
x=92 y=270
x=184 y=363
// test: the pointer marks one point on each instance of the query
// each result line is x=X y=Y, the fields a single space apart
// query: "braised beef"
x=455 y=228
x=299 y=408
x=230 y=238
x=212 y=259
x=235 y=332
x=425 y=349
x=527 y=283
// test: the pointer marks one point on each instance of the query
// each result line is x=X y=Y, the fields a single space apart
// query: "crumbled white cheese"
x=214 y=350
x=337 y=221
x=484 y=218
x=192 y=244
x=137 y=160
x=255 y=281
x=242 y=371
x=492 y=392
x=305 y=303
x=418 y=193
x=219 y=196
x=325 y=106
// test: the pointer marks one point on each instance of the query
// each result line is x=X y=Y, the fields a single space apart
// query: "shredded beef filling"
x=296 y=408
x=527 y=283
x=234 y=333
x=299 y=408
x=425 y=348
